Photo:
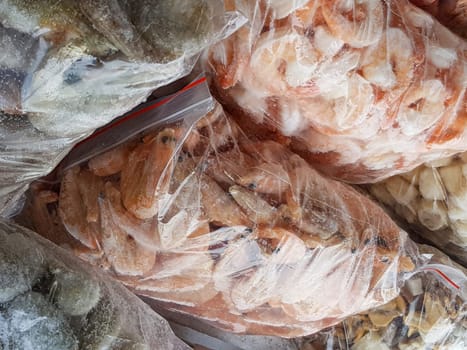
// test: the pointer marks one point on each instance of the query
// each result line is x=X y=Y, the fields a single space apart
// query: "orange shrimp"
x=73 y=212
x=219 y=207
x=126 y=255
x=140 y=179
x=90 y=186
x=110 y=162
x=143 y=231
x=257 y=209
x=359 y=23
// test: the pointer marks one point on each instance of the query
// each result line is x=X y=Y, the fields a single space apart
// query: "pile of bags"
x=283 y=193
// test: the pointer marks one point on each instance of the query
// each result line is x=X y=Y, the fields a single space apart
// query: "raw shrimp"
x=390 y=63
x=422 y=106
x=143 y=231
x=141 y=178
x=126 y=255
x=359 y=23
x=110 y=162
x=73 y=212
x=219 y=207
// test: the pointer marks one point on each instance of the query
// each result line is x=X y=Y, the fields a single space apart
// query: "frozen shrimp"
x=219 y=207
x=358 y=23
x=269 y=178
x=90 y=186
x=73 y=212
x=143 y=231
x=110 y=162
x=259 y=210
x=285 y=58
x=422 y=107
x=390 y=63
x=124 y=253
x=140 y=179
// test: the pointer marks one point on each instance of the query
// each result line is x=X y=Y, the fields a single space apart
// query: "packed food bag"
x=432 y=200
x=429 y=313
x=367 y=89
x=50 y=300
x=240 y=232
x=452 y=13
x=69 y=67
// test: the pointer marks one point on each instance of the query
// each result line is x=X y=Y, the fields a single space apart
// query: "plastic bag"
x=367 y=89
x=52 y=300
x=69 y=67
x=432 y=201
x=240 y=232
x=452 y=13
x=429 y=314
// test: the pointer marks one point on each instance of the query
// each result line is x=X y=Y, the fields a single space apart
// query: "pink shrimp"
x=110 y=162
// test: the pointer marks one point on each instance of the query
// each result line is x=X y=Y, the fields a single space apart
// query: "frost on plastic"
x=67 y=68
x=240 y=232
x=428 y=314
x=366 y=88
x=50 y=300
x=432 y=199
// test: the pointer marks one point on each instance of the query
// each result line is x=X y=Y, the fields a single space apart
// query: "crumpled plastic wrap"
x=432 y=201
x=68 y=67
x=428 y=314
x=50 y=300
x=240 y=232
x=452 y=13
x=367 y=89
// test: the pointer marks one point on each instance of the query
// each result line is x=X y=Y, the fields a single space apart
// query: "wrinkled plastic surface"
x=241 y=233
x=452 y=13
x=428 y=314
x=68 y=67
x=367 y=89
x=432 y=200
x=50 y=300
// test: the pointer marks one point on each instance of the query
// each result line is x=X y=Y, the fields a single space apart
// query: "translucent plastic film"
x=239 y=232
x=68 y=67
x=452 y=13
x=50 y=300
x=428 y=314
x=367 y=89
x=432 y=200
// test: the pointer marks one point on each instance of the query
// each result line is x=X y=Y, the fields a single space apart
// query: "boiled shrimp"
x=390 y=63
x=219 y=207
x=125 y=254
x=268 y=178
x=422 y=107
x=143 y=231
x=110 y=162
x=358 y=23
x=90 y=186
x=141 y=178
x=73 y=212
x=257 y=209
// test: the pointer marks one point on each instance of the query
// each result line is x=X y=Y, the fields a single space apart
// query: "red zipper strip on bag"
x=443 y=275
x=143 y=110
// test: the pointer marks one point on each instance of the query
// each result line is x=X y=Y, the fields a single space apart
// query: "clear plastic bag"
x=68 y=67
x=452 y=13
x=367 y=89
x=240 y=232
x=50 y=300
x=428 y=314
x=431 y=201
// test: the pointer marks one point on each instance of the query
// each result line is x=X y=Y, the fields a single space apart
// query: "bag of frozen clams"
x=431 y=201
x=50 y=300
x=366 y=89
x=237 y=230
x=429 y=313
x=68 y=67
